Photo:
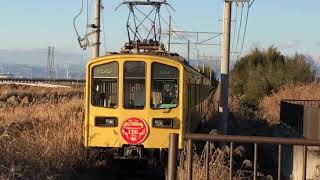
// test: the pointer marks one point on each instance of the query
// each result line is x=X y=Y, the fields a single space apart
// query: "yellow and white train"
x=134 y=101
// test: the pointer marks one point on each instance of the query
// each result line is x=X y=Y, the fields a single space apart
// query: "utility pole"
x=210 y=69
x=204 y=58
x=52 y=70
x=96 y=26
x=198 y=58
x=188 y=50
x=48 y=62
x=169 y=34
x=224 y=92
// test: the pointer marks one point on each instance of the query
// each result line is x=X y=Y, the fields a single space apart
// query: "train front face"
x=133 y=103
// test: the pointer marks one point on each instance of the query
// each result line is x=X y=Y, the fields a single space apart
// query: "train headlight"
x=106 y=121
x=162 y=123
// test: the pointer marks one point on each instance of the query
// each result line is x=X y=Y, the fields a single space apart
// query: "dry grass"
x=42 y=139
x=218 y=165
x=15 y=94
x=270 y=105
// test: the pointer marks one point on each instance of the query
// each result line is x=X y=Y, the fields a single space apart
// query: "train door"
x=134 y=128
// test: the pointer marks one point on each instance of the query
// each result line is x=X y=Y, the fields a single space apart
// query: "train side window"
x=164 y=86
x=105 y=85
x=134 y=85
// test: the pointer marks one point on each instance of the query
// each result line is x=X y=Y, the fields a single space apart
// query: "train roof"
x=172 y=56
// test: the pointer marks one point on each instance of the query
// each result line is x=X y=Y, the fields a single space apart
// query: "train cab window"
x=105 y=85
x=134 y=85
x=164 y=86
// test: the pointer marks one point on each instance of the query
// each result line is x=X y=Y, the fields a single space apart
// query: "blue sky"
x=28 y=27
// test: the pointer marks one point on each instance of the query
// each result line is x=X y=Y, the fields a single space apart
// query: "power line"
x=87 y=18
x=245 y=28
x=75 y=18
x=235 y=26
x=239 y=32
x=251 y=3
x=87 y=23
x=103 y=29
x=244 y=32
x=180 y=36
x=174 y=22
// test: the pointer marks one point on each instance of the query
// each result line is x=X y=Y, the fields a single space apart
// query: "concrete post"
x=224 y=109
x=188 y=50
x=96 y=36
x=169 y=34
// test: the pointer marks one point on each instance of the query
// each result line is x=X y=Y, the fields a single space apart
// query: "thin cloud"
x=37 y=56
x=3 y=50
x=290 y=45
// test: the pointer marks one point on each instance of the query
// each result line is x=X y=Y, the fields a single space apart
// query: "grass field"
x=40 y=132
x=269 y=108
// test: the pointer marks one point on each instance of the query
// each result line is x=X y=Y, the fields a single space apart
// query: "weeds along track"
x=270 y=105
x=218 y=164
x=41 y=133
x=14 y=95
x=41 y=137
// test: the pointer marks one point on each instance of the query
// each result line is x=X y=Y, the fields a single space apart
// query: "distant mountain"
x=33 y=71
x=38 y=57
x=33 y=63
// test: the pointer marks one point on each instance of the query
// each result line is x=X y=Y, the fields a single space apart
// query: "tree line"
x=262 y=72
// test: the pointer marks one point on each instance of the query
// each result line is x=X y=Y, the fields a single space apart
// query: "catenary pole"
x=96 y=26
x=223 y=106
x=169 y=34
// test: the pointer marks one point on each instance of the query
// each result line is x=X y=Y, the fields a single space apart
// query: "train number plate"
x=134 y=131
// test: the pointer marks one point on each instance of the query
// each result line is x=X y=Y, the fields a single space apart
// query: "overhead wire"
x=83 y=62
x=174 y=22
x=87 y=17
x=250 y=4
x=75 y=18
x=103 y=29
x=240 y=25
x=235 y=27
x=180 y=36
x=245 y=28
x=165 y=21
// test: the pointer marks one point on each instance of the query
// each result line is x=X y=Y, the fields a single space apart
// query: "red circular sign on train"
x=134 y=131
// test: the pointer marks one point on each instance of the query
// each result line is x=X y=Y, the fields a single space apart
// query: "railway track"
x=43 y=80
x=121 y=170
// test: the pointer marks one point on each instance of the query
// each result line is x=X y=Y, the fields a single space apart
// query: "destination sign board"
x=106 y=70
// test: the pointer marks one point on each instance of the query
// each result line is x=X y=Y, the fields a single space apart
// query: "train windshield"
x=164 y=86
x=105 y=85
x=134 y=85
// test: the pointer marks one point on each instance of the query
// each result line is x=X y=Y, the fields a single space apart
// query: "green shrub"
x=261 y=72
